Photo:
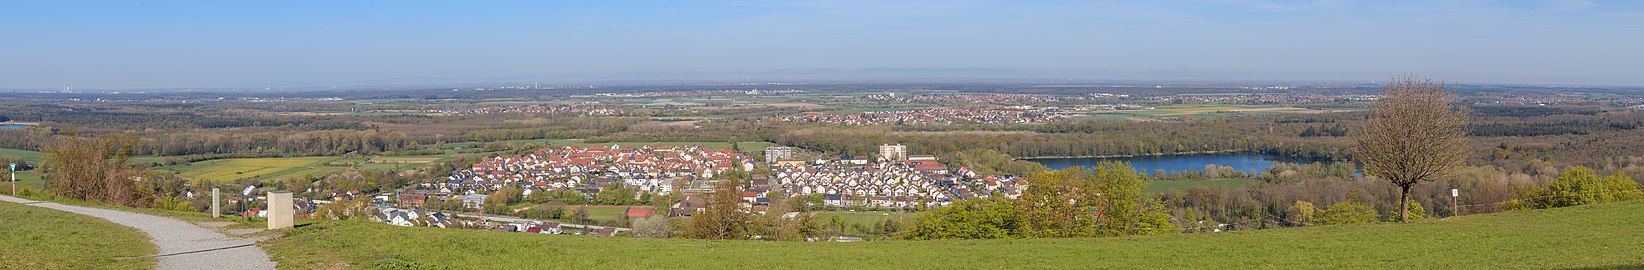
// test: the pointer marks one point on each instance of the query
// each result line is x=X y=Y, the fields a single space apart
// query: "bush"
x=360 y=209
x=985 y=218
x=1347 y=212
x=653 y=227
x=173 y=204
x=1579 y=186
x=1416 y=211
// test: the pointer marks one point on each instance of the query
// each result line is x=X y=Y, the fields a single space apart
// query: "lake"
x=11 y=126
x=1248 y=162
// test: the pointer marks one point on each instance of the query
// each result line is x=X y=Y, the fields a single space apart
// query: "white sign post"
x=1455 y=207
x=243 y=204
x=14 y=179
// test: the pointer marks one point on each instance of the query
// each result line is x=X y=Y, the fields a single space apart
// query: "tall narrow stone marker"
x=216 y=204
x=280 y=211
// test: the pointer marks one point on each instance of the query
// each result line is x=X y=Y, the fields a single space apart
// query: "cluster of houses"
x=654 y=169
x=918 y=181
x=933 y=116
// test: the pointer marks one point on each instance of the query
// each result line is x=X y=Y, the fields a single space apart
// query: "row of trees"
x=1105 y=200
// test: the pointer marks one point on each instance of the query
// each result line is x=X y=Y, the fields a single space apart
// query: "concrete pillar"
x=280 y=211
x=216 y=203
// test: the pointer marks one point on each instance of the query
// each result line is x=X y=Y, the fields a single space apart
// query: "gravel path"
x=182 y=245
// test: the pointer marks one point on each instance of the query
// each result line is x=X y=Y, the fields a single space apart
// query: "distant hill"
x=1594 y=236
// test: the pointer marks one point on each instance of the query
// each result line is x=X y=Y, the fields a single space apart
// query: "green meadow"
x=1589 y=237
x=40 y=238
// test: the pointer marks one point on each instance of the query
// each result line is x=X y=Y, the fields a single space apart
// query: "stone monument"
x=280 y=211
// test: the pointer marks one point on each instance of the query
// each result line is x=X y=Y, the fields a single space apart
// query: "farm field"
x=1592 y=237
x=1163 y=186
x=240 y=168
x=25 y=179
x=32 y=157
x=39 y=238
x=273 y=168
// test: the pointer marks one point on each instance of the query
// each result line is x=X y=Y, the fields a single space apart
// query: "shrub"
x=1579 y=186
x=985 y=218
x=1347 y=212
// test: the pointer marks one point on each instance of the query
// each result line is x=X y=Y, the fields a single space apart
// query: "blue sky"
x=140 y=44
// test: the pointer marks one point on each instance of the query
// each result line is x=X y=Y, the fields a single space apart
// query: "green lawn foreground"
x=40 y=238
x=1595 y=236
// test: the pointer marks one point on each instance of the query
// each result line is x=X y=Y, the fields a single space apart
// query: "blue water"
x=11 y=126
x=1247 y=162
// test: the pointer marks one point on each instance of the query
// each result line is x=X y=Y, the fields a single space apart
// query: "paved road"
x=182 y=245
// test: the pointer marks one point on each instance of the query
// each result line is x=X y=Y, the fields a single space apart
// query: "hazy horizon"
x=174 y=44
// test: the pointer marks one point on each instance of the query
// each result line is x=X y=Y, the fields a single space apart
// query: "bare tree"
x=1414 y=134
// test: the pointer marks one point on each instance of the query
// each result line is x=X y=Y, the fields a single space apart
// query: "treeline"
x=1532 y=111
x=1105 y=200
x=322 y=142
x=1554 y=128
x=1210 y=171
x=1296 y=195
x=1336 y=130
x=1141 y=141
x=989 y=162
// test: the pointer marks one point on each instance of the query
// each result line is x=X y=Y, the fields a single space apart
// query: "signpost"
x=14 y=179
x=243 y=203
x=1455 y=208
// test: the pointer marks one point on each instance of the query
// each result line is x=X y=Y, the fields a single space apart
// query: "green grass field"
x=867 y=219
x=1594 y=236
x=26 y=179
x=1162 y=186
x=39 y=238
x=604 y=214
x=276 y=168
x=266 y=168
x=32 y=157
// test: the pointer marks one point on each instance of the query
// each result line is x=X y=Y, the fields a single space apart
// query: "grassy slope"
x=1587 y=236
x=39 y=238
